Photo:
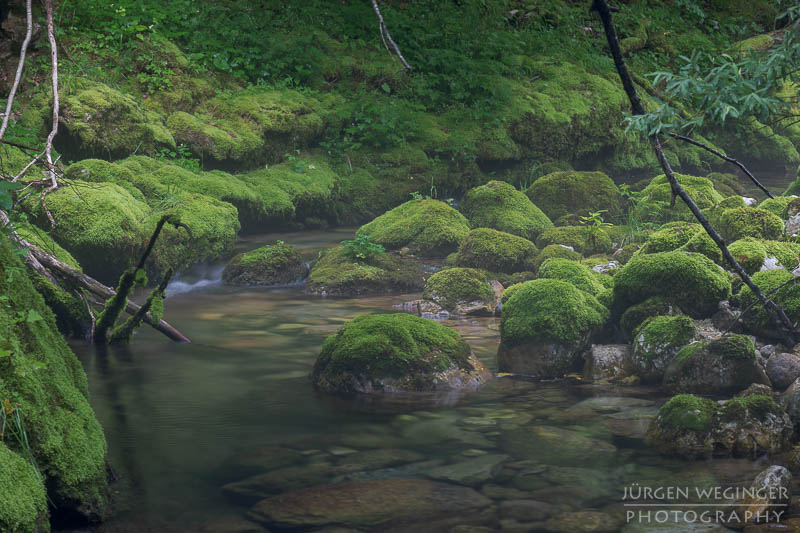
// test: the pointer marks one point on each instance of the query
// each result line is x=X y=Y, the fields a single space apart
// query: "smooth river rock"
x=369 y=504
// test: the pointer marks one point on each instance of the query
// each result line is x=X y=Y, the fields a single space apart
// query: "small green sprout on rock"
x=362 y=248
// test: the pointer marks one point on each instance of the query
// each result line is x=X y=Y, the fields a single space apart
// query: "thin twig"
x=719 y=154
x=48 y=149
x=386 y=36
x=20 y=67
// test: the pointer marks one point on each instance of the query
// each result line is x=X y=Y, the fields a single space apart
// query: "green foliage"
x=362 y=248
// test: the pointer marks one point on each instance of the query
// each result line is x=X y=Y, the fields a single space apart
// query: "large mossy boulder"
x=546 y=326
x=499 y=205
x=585 y=240
x=279 y=264
x=637 y=314
x=461 y=291
x=100 y=224
x=555 y=251
x=338 y=273
x=735 y=224
x=721 y=366
x=496 y=251
x=396 y=353
x=576 y=193
x=98 y=121
x=691 y=281
x=654 y=201
x=45 y=384
x=429 y=228
x=577 y=274
x=757 y=320
x=684 y=236
x=656 y=342
x=750 y=254
x=693 y=427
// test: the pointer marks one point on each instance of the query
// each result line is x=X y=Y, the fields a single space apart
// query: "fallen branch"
x=719 y=154
x=48 y=149
x=776 y=312
x=386 y=36
x=87 y=282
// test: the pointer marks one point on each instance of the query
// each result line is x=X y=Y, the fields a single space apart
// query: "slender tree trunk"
x=775 y=311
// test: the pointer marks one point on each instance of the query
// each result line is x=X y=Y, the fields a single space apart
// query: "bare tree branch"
x=20 y=67
x=386 y=36
x=776 y=312
x=719 y=154
x=48 y=149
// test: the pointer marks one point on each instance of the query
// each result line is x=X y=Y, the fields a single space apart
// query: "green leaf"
x=33 y=316
x=386 y=88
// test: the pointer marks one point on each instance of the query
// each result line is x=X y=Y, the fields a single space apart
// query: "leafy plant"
x=298 y=164
x=594 y=221
x=362 y=248
x=181 y=156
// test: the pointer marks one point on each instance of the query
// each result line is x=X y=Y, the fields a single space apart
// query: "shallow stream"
x=182 y=421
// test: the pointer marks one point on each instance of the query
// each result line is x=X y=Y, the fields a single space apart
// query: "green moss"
x=99 y=171
x=756 y=406
x=665 y=331
x=429 y=227
x=730 y=347
x=337 y=274
x=692 y=281
x=750 y=253
x=759 y=42
x=555 y=250
x=581 y=276
x=655 y=198
x=25 y=509
x=670 y=237
x=99 y=121
x=495 y=251
x=217 y=141
x=64 y=435
x=213 y=225
x=500 y=206
x=777 y=206
x=576 y=193
x=687 y=412
x=626 y=252
x=788 y=297
x=373 y=347
x=786 y=253
x=731 y=202
x=735 y=224
x=269 y=265
x=452 y=286
x=583 y=239
x=639 y=313
x=41 y=239
x=100 y=224
x=549 y=310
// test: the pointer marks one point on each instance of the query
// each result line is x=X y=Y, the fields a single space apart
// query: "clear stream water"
x=183 y=420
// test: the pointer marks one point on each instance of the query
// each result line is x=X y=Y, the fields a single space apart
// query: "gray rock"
x=584 y=522
x=525 y=510
x=727 y=317
x=783 y=369
x=606 y=362
x=255 y=488
x=790 y=401
x=556 y=445
x=544 y=360
x=770 y=491
x=792 y=226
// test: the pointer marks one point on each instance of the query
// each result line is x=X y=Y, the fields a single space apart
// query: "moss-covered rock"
x=786 y=253
x=460 y=290
x=581 y=276
x=338 y=274
x=46 y=383
x=757 y=320
x=691 y=281
x=637 y=314
x=655 y=198
x=278 y=264
x=669 y=237
x=656 y=341
x=428 y=227
x=500 y=206
x=99 y=121
x=724 y=365
x=395 y=353
x=546 y=324
x=735 y=224
x=218 y=142
x=777 y=206
x=729 y=186
x=557 y=251
x=576 y=193
x=495 y=251
x=100 y=224
x=583 y=239
x=693 y=427
x=750 y=253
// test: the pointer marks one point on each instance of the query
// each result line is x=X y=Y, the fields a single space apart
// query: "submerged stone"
x=369 y=504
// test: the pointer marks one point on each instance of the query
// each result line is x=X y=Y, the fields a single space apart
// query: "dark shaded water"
x=184 y=420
